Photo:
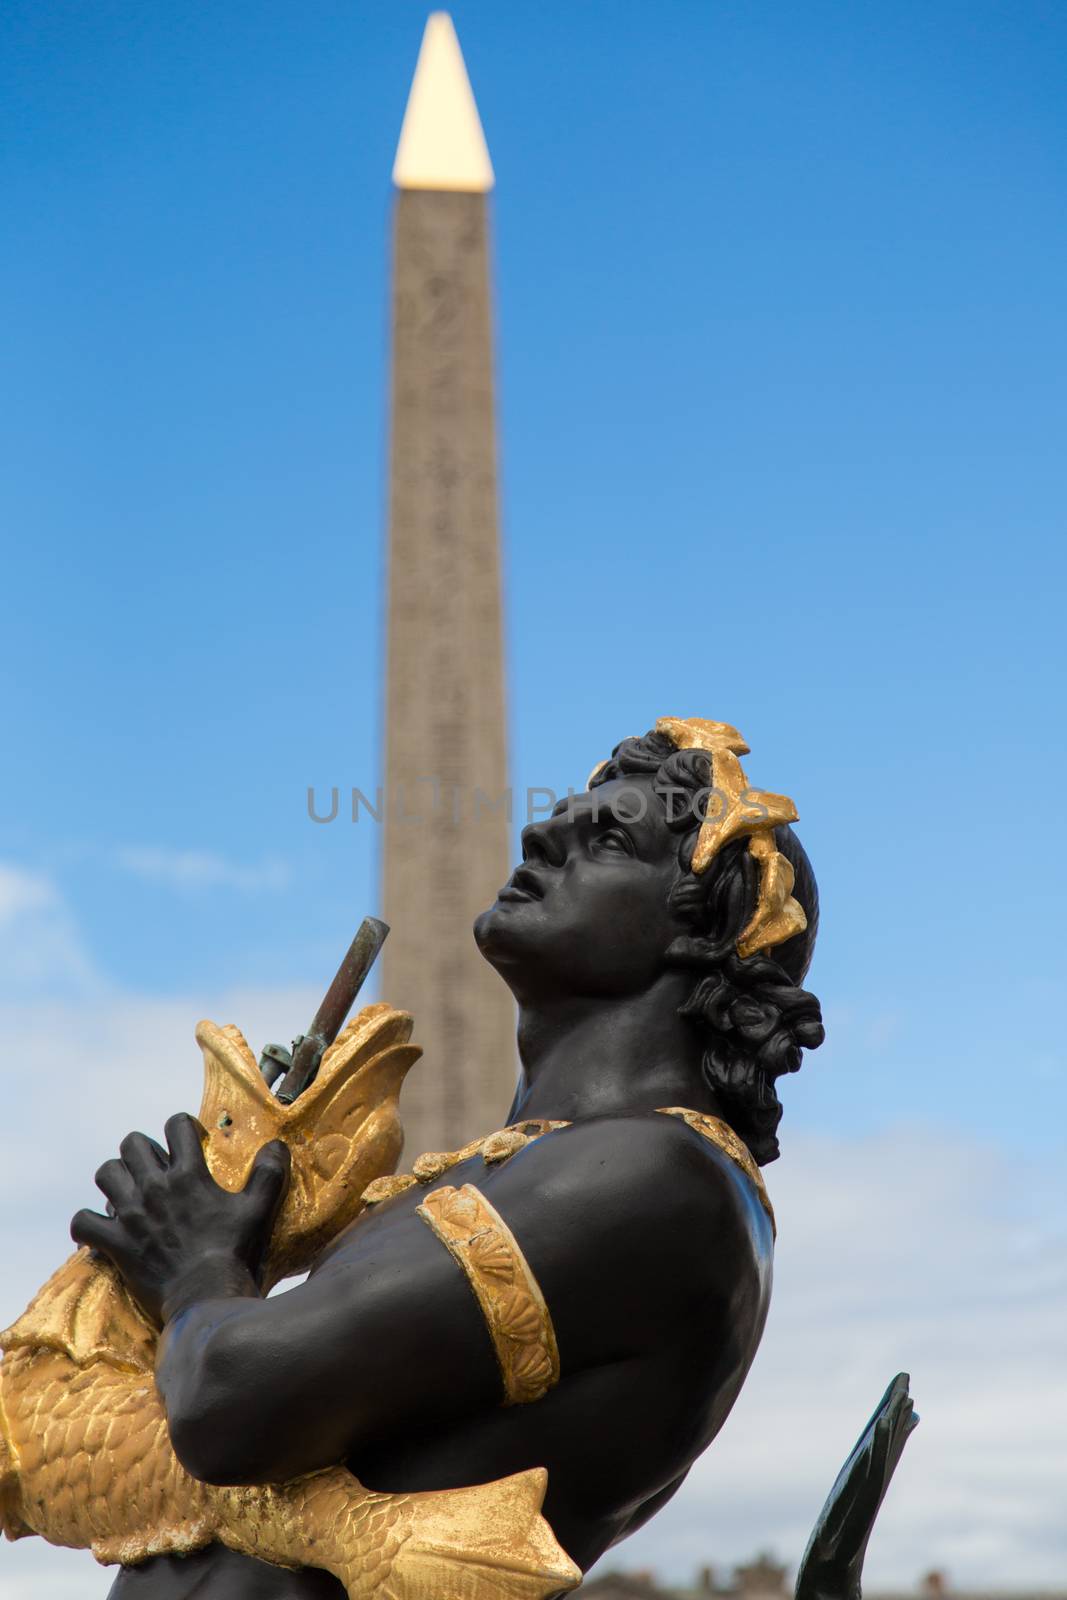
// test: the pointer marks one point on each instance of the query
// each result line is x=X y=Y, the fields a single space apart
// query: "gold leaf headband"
x=743 y=811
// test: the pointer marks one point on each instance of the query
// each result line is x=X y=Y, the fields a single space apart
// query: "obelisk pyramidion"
x=446 y=828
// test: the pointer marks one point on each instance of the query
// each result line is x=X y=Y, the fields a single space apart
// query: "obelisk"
x=446 y=813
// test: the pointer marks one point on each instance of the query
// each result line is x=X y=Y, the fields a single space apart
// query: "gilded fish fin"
x=377 y=1034
x=343 y=1131
x=357 y=1138
x=11 y=1523
x=238 y=1111
x=376 y=1026
x=85 y=1313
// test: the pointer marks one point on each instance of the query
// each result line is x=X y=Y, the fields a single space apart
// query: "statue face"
x=586 y=913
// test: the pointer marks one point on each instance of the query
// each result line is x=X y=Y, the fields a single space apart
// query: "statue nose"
x=544 y=842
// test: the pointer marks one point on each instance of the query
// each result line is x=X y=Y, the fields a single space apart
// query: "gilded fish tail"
x=487 y=1542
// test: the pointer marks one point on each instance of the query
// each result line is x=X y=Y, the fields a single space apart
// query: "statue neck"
x=586 y=1057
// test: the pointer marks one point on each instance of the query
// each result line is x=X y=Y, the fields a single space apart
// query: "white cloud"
x=30 y=1570
x=41 y=949
x=22 y=892
x=86 y=1074
x=84 y=1064
x=193 y=871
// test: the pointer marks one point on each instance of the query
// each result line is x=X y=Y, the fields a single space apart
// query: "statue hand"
x=832 y=1566
x=171 y=1231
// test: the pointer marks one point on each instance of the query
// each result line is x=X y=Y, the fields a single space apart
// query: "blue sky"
x=782 y=341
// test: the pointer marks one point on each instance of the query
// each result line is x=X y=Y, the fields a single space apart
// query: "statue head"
x=671 y=862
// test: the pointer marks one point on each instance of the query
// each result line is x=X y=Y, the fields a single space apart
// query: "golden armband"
x=512 y=1304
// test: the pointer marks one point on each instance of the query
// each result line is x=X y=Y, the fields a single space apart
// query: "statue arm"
x=261 y=1390
x=384 y=1337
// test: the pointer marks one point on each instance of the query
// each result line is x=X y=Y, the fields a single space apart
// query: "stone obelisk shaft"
x=447 y=842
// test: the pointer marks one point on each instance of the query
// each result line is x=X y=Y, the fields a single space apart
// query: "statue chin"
x=492 y=939
x=504 y=936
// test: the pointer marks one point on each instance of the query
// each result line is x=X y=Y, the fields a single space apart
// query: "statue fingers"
x=142 y=1156
x=116 y=1183
x=269 y=1178
x=97 y=1232
x=185 y=1140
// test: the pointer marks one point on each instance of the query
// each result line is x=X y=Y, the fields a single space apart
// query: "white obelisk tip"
x=442 y=145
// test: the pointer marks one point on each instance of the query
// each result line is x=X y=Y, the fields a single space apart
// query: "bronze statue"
x=579 y=1294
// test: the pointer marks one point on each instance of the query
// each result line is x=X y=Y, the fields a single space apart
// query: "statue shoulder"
x=638 y=1231
x=624 y=1189
x=687 y=1158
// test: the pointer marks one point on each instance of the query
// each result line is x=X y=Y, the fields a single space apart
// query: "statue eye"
x=616 y=841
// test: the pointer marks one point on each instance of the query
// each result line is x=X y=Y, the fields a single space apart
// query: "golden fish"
x=85 y=1455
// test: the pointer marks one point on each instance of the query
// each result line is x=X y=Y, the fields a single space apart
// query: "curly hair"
x=752 y=1012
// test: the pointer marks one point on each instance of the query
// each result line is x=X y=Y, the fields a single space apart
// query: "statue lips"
x=522 y=885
